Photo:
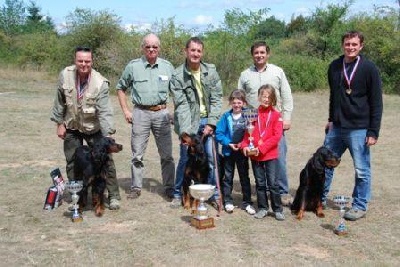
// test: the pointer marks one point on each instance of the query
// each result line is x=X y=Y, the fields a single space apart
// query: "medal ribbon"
x=80 y=88
x=266 y=124
x=349 y=79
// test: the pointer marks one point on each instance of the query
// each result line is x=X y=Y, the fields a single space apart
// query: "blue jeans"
x=183 y=158
x=338 y=140
x=282 y=178
x=265 y=173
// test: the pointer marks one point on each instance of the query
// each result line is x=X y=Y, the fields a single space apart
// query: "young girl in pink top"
x=266 y=135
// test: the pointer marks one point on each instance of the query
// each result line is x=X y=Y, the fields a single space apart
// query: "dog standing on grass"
x=312 y=180
x=90 y=165
x=196 y=170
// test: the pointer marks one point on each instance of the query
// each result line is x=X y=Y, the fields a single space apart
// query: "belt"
x=152 y=108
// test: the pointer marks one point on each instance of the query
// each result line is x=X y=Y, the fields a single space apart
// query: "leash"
x=216 y=175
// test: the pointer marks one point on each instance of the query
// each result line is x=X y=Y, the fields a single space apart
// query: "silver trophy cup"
x=250 y=115
x=202 y=192
x=73 y=188
x=341 y=202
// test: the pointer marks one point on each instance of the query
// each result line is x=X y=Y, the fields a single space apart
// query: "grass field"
x=147 y=232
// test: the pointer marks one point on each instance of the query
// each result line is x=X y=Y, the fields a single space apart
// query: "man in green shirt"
x=147 y=78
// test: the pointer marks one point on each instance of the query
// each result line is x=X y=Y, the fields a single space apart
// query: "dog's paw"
x=99 y=210
x=300 y=215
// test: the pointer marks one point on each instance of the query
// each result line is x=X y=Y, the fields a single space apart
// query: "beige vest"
x=81 y=114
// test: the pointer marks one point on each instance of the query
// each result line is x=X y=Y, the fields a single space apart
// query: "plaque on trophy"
x=341 y=202
x=73 y=188
x=250 y=115
x=202 y=192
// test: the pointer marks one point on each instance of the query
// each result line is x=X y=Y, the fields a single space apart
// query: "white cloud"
x=202 y=20
x=141 y=27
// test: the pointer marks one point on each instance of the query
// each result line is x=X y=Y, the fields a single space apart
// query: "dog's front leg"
x=319 y=211
x=302 y=207
x=186 y=200
x=99 y=186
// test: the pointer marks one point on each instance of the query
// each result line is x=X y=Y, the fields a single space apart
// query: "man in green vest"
x=82 y=111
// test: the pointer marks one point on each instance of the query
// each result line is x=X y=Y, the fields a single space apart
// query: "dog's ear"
x=318 y=159
x=186 y=139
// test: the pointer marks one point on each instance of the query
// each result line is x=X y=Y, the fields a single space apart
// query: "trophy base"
x=340 y=232
x=202 y=223
x=252 y=152
x=77 y=219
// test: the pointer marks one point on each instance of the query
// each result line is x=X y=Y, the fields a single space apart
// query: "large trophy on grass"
x=73 y=188
x=341 y=201
x=202 y=192
x=250 y=116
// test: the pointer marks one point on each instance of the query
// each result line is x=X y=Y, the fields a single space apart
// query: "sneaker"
x=286 y=200
x=250 y=210
x=229 y=208
x=260 y=214
x=354 y=214
x=134 y=193
x=114 y=204
x=176 y=203
x=279 y=216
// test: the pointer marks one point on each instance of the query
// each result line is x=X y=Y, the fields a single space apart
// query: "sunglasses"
x=151 y=46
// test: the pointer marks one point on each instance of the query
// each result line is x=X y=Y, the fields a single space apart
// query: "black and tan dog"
x=91 y=165
x=196 y=170
x=312 y=180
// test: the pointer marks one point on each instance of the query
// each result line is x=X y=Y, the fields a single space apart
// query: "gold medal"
x=353 y=71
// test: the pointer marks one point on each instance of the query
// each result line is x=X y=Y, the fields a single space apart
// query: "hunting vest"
x=81 y=113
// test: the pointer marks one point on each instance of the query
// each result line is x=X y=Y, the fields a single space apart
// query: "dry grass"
x=147 y=232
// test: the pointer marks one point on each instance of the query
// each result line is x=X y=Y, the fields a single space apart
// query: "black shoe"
x=134 y=193
x=169 y=192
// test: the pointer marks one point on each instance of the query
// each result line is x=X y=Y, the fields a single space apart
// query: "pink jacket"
x=266 y=135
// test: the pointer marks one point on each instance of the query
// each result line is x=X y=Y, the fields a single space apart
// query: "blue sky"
x=142 y=13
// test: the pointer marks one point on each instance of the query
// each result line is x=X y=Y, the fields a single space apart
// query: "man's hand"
x=61 y=131
x=370 y=141
x=234 y=147
x=286 y=125
x=208 y=130
x=128 y=117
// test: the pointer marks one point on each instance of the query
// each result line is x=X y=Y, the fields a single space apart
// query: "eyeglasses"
x=151 y=46
x=82 y=49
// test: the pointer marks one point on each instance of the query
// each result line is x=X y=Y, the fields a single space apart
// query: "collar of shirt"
x=148 y=65
x=253 y=68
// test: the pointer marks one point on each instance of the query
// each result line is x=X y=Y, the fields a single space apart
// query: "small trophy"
x=73 y=188
x=202 y=192
x=341 y=201
x=250 y=116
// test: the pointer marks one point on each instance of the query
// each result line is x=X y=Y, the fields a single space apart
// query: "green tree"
x=98 y=30
x=382 y=43
x=12 y=17
x=297 y=26
x=36 y=22
x=270 y=28
x=228 y=45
